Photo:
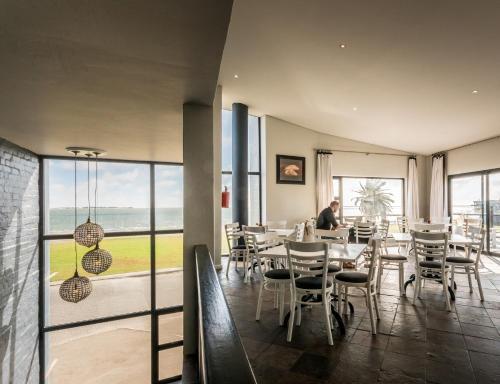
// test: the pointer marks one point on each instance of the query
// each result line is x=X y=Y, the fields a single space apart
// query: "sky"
x=119 y=184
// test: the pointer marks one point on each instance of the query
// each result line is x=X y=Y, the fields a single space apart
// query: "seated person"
x=326 y=218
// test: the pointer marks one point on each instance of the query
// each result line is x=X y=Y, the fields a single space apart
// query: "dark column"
x=240 y=164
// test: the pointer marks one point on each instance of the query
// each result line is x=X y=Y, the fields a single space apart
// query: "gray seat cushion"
x=394 y=257
x=352 y=277
x=459 y=260
x=332 y=268
x=311 y=282
x=279 y=274
x=431 y=264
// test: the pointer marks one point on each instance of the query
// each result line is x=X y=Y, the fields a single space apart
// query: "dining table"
x=341 y=253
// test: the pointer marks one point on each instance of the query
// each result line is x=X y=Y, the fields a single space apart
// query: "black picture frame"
x=298 y=164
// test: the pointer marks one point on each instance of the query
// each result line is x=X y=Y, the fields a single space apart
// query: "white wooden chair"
x=469 y=264
x=425 y=227
x=365 y=281
x=431 y=250
x=363 y=231
x=310 y=262
x=402 y=224
x=337 y=236
x=236 y=251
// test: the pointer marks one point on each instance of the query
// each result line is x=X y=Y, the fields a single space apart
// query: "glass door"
x=493 y=206
x=467 y=203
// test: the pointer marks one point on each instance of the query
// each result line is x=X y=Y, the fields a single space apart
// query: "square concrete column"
x=198 y=149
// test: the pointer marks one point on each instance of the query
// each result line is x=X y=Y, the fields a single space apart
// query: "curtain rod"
x=363 y=152
x=474 y=143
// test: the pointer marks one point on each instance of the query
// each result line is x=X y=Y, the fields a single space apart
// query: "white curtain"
x=324 y=181
x=412 y=210
x=437 y=208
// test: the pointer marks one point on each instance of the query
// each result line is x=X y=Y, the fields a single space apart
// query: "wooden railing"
x=221 y=356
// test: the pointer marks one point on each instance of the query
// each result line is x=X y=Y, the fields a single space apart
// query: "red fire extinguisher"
x=225 y=198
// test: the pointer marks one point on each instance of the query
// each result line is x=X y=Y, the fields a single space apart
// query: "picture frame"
x=290 y=169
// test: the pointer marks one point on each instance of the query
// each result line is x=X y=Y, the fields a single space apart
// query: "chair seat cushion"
x=240 y=246
x=352 y=277
x=394 y=257
x=279 y=274
x=431 y=264
x=332 y=268
x=459 y=260
x=311 y=282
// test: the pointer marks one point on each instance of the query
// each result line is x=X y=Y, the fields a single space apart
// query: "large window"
x=475 y=199
x=254 y=171
x=374 y=198
x=140 y=207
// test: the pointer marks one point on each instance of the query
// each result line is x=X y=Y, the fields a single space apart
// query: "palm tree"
x=373 y=199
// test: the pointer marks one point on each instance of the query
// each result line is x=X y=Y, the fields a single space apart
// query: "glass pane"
x=108 y=353
x=227 y=137
x=494 y=212
x=169 y=254
x=253 y=200
x=170 y=327
x=372 y=197
x=123 y=288
x=168 y=196
x=170 y=362
x=227 y=213
x=253 y=144
x=122 y=196
x=466 y=201
x=336 y=189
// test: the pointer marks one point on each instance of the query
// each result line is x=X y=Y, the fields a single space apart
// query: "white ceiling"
x=107 y=74
x=409 y=68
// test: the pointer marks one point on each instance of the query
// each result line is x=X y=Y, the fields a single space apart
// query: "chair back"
x=308 y=260
x=337 y=236
x=383 y=229
x=231 y=234
x=470 y=223
x=424 y=227
x=363 y=231
x=430 y=245
x=371 y=260
x=279 y=224
x=402 y=224
x=299 y=231
x=478 y=236
x=254 y=229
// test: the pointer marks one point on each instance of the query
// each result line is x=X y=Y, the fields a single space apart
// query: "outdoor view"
x=123 y=206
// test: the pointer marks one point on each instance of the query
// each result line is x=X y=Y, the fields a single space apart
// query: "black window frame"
x=153 y=312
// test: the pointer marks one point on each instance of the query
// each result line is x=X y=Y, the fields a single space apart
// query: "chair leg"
x=467 y=269
x=380 y=272
x=375 y=303
x=282 y=303
x=326 y=304
x=452 y=280
x=259 y=301
x=479 y=285
x=345 y=300
x=445 y=291
x=299 y=314
x=402 y=279
x=370 y=311
x=416 y=289
x=291 y=320
x=245 y=269
x=276 y=296
x=228 y=263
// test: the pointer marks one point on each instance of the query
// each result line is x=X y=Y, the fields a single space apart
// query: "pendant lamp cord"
x=76 y=250
x=88 y=182
x=95 y=191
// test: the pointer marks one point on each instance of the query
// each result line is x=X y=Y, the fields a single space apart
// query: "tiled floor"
x=414 y=344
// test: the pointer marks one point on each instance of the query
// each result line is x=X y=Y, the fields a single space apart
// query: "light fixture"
x=89 y=233
x=354 y=109
x=236 y=76
x=76 y=288
x=342 y=45
x=97 y=260
x=475 y=92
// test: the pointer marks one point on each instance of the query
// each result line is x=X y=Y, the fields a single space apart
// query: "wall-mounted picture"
x=290 y=169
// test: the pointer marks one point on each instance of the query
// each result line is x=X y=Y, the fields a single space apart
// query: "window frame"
x=154 y=312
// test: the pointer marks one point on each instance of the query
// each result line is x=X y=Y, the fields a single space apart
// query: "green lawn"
x=130 y=254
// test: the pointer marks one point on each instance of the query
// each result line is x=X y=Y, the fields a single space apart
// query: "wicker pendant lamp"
x=76 y=288
x=97 y=260
x=88 y=234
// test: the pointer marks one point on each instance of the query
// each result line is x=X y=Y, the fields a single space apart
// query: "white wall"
x=298 y=202
x=475 y=157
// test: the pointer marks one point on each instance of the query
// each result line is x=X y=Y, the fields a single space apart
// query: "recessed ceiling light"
x=475 y=91
x=236 y=76
x=354 y=109
x=342 y=45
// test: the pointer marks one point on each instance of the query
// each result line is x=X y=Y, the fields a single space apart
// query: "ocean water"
x=62 y=220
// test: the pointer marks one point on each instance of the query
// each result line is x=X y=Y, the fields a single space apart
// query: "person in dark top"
x=326 y=218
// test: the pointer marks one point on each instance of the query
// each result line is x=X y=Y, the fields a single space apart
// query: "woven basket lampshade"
x=88 y=234
x=97 y=260
x=75 y=289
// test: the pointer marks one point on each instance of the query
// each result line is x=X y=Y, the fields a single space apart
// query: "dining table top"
x=336 y=252
x=280 y=232
x=405 y=237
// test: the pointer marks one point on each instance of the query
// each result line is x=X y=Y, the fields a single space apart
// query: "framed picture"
x=290 y=169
